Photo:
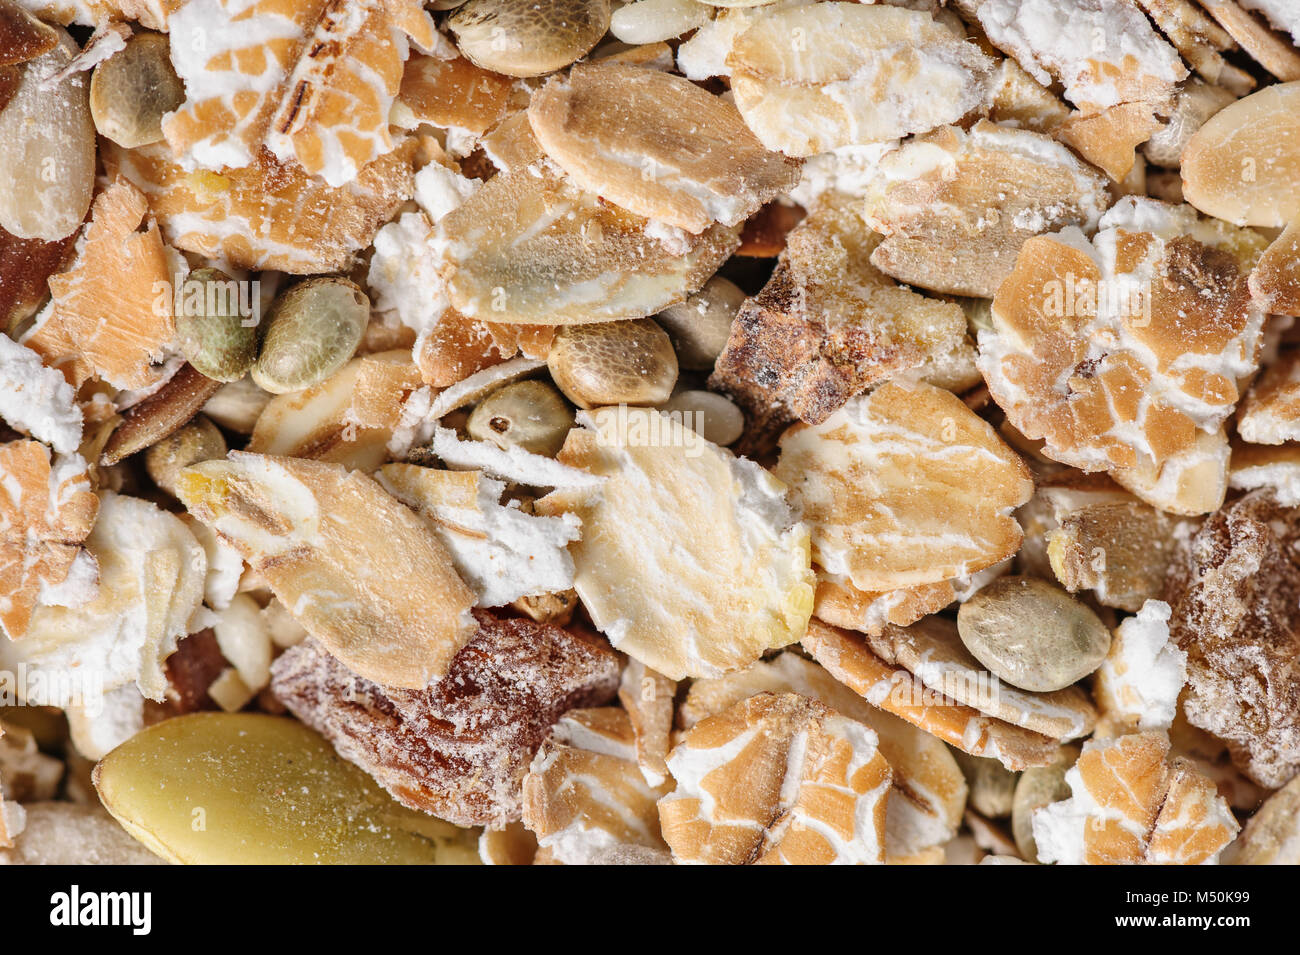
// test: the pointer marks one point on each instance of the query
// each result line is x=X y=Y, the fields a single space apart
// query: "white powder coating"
x=850 y=170
x=1144 y=672
x=1084 y=44
x=439 y=190
x=705 y=53
x=1282 y=476
x=225 y=566
x=514 y=464
x=152 y=572
x=405 y=272
x=37 y=399
x=1283 y=14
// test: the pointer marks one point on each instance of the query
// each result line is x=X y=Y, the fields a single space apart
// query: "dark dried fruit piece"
x=1235 y=594
x=460 y=748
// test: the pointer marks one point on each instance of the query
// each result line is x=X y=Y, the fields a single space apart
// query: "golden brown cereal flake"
x=827 y=325
x=956 y=206
x=46 y=510
x=584 y=795
x=1124 y=353
x=841 y=604
x=777 y=780
x=453 y=94
x=1276 y=279
x=364 y=575
x=1131 y=804
x=268 y=215
x=107 y=317
x=1270 y=412
x=649 y=699
x=903 y=487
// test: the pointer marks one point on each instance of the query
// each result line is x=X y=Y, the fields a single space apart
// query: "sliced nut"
x=528 y=39
x=40 y=543
x=753 y=785
x=160 y=415
x=237 y=771
x=955 y=207
x=700 y=326
x=532 y=248
x=905 y=486
x=1033 y=635
x=658 y=145
x=1242 y=165
x=820 y=76
x=728 y=561
x=460 y=747
x=106 y=316
x=1131 y=805
x=213 y=331
x=1275 y=282
x=134 y=89
x=584 y=795
x=312 y=331
x=527 y=414
x=347 y=560
x=826 y=326
x=612 y=363
x=47 y=148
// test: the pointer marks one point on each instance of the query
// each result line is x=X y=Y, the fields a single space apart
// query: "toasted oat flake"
x=453 y=93
x=649 y=699
x=818 y=77
x=1131 y=804
x=47 y=508
x=363 y=574
x=1276 y=467
x=1270 y=412
x=841 y=604
x=1275 y=281
x=777 y=780
x=1124 y=353
x=956 y=206
x=1268 y=49
x=722 y=557
x=657 y=145
x=903 y=487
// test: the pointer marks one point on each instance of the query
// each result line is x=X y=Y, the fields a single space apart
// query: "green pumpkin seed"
x=211 y=331
x=312 y=331
x=225 y=788
x=131 y=91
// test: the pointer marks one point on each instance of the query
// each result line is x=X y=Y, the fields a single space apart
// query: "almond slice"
x=777 y=780
x=364 y=575
x=107 y=317
x=849 y=659
x=532 y=248
x=657 y=145
x=1093 y=348
x=268 y=215
x=826 y=326
x=46 y=510
x=820 y=76
x=1131 y=804
x=726 y=565
x=1275 y=281
x=955 y=206
x=905 y=486
x=1267 y=48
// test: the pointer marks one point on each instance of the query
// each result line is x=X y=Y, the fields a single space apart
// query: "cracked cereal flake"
x=47 y=508
x=905 y=486
x=1275 y=281
x=460 y=747
x=841 y=604
x=453 y=94
x=827 y=325
x=107 y=316
x=849 y=658
x=1276 y=467
x=649 y=699
x=722 y=558
x=1131 y=804
x=777 y=779
x=928 y=791
x=364 y=575
x=818 y=77
x=268 y=215
x=955 y=206
x=1235 y=594
x=657 y=145
x=1265 y=47
x=312 y=80
x=584 y=795
x=1124 y=353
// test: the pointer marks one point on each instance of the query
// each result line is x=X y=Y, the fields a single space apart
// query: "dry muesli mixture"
x=654 y=432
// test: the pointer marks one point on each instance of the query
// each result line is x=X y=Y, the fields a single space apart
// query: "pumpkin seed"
x=312 y=331
x=214 y=335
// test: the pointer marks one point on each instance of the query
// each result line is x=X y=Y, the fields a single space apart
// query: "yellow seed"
x=609 y=363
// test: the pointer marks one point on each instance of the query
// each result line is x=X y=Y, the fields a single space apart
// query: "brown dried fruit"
x=777 y=780
x=657 y=145
x=459 y=748
x=826 y=326
x=360 y=571
x=1235 y=594
x=46 y=510
x=905 y=486
x=956 y=206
